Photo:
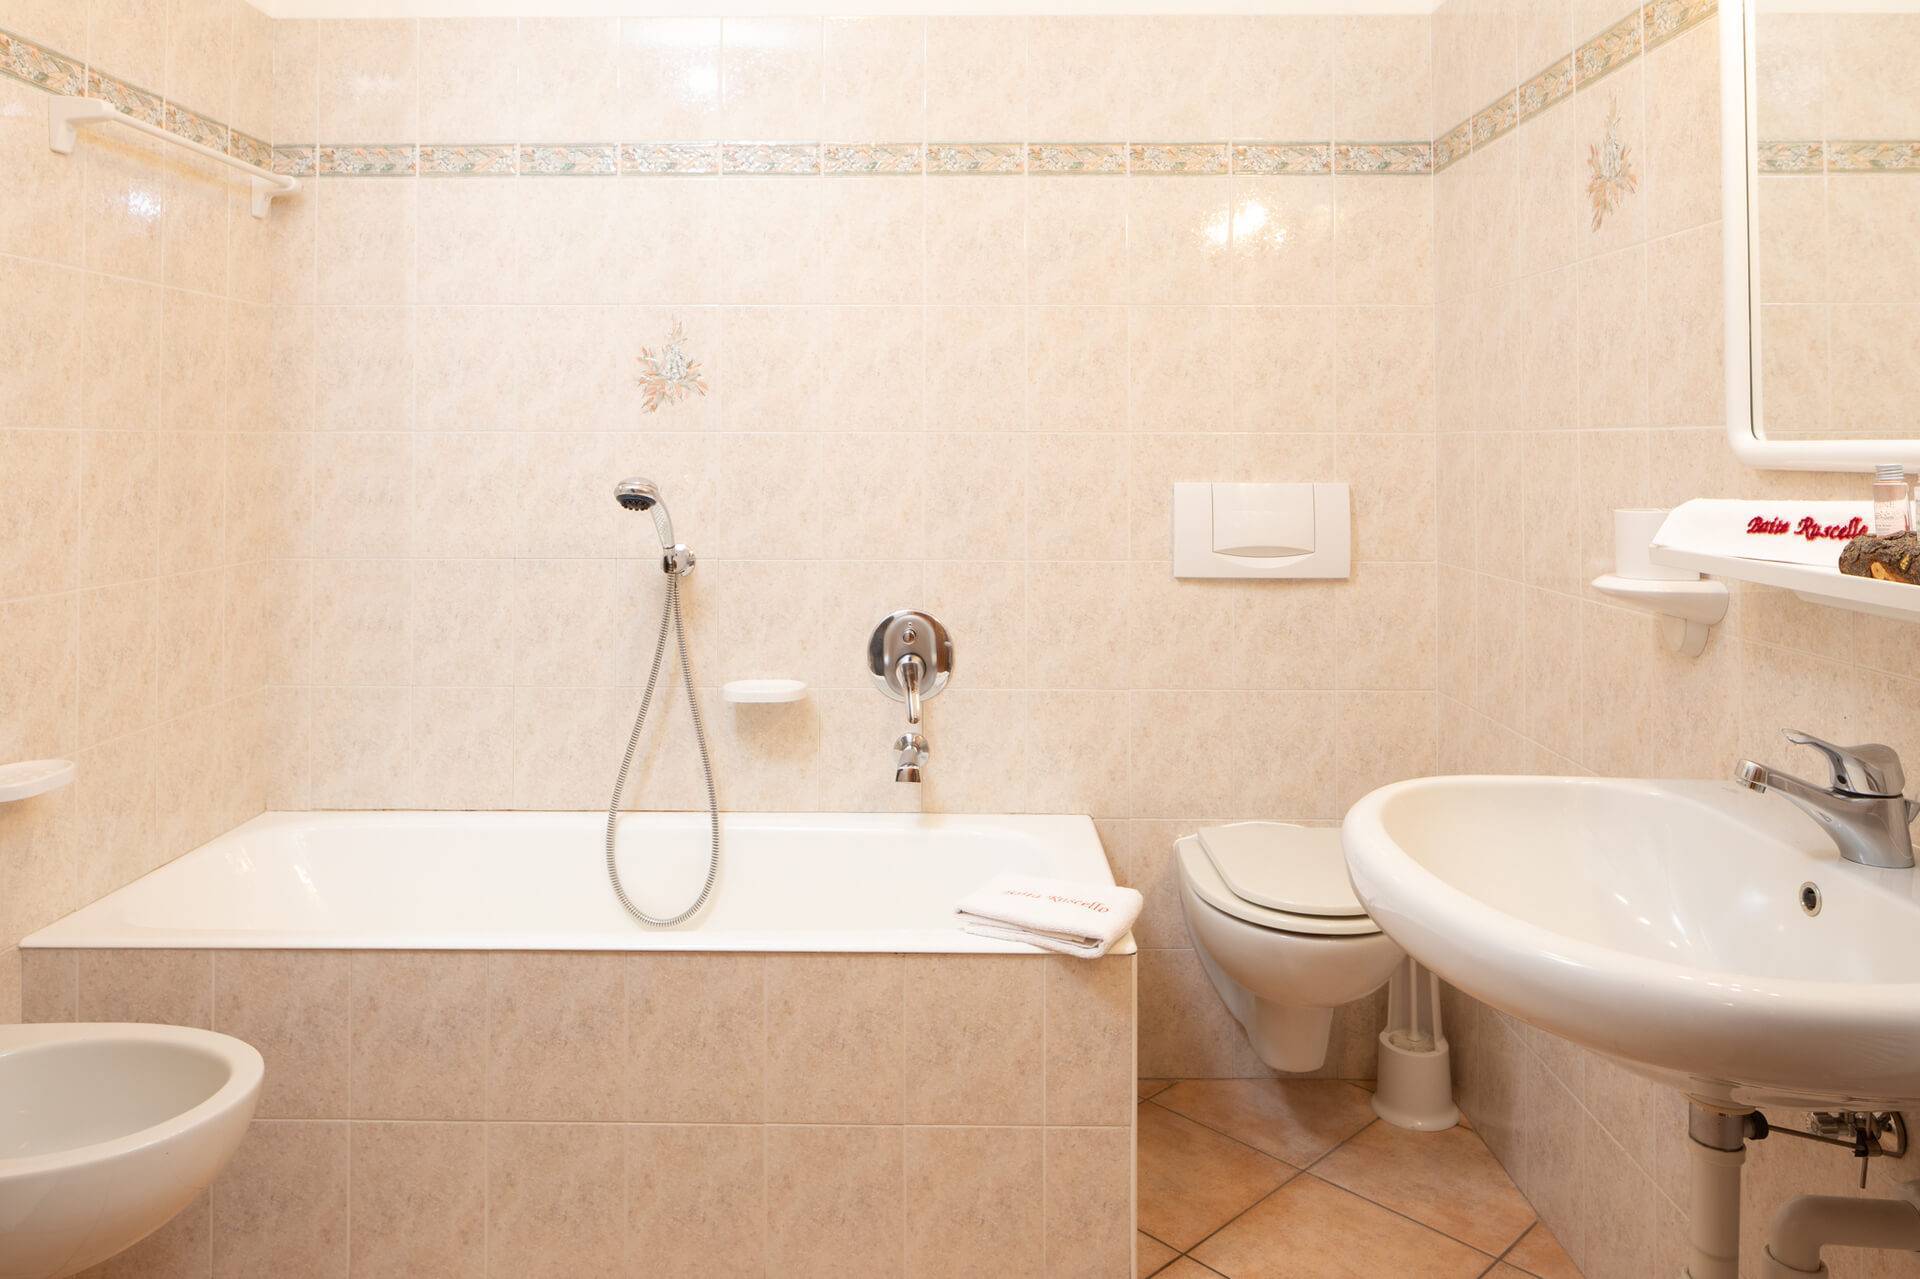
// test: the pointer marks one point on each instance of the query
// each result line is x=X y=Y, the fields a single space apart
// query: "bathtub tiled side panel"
x=731 y=1113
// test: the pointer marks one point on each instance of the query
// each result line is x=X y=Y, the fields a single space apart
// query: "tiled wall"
x=1579 y=313
x=537 y=1116
x=967 y=296
x=1839 y=267
x=134 y=451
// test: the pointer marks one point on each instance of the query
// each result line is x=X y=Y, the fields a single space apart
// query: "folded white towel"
x=1074 y=919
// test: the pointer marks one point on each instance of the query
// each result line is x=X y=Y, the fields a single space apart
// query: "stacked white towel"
x=1074 y=919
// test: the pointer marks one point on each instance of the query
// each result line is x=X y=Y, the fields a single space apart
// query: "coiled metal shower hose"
x=670 y=615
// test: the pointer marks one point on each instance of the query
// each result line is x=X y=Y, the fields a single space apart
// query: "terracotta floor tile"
x=1448 y=1180
x=1148 y=1087
x=1505 y=1271
x=1311 y=1230
x=1188 y=1268
x=1297 y=1120
x=1192 y=1180
x=1151 y=1256
x=1539 y=1253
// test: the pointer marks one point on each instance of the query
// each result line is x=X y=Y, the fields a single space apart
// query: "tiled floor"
x=1296 y=1179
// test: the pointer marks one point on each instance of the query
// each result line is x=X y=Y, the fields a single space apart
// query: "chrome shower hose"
x=669 y=616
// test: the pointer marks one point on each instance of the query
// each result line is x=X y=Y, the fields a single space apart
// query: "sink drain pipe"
x=1718 y=1149
x=1805 y=1225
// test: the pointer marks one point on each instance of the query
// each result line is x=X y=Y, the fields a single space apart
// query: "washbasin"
x=1698 y=932
x=106 y=1131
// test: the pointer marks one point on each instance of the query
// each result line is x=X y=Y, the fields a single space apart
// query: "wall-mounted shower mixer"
x=911 y=658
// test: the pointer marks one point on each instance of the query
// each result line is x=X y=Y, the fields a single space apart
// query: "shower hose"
x=669 y=617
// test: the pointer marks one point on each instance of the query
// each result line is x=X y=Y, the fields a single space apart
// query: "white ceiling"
x=761 y=8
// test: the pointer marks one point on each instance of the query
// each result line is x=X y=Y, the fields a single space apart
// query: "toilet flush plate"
x=1296 y=530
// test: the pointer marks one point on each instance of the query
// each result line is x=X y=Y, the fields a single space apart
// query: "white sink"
x=106 y=1131
x=1660 y=923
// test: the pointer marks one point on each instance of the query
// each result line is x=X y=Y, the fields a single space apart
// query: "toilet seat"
x=1277 y=862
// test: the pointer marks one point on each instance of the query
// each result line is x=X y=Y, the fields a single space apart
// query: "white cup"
x=1633 y=530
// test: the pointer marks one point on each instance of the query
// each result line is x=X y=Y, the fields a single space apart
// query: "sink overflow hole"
x=1810 y=897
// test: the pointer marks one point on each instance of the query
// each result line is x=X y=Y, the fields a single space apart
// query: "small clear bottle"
x=1891 y=499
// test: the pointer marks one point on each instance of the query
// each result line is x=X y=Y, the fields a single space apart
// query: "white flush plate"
x=1211 y=520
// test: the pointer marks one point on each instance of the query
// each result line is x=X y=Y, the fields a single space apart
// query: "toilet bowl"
x=1280 y=933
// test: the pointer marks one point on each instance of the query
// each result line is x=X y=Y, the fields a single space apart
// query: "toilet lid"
x=1297 y=869
x=1198 y=873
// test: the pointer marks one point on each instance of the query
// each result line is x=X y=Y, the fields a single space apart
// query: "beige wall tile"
x=974 y=1201
x=282 y=1206
x=171 y=986
x=1089 y=1048
x=419 y=1033
x=1089 y=1197
x=293 y=1007
x=849 y=1224
x=1383 y=78
x=1077 y=84
x=1281 y=70
x=873 y=79
x=556 y=1036
x=367 y=74
x=567 y=78
x=555 y=1207
x=669 y=78
x=973 y=1032
x=419 y=1199
x=834 y=1039
x=771 y=77
x=697 y=1198
x=696 y=1038
x=977 y=77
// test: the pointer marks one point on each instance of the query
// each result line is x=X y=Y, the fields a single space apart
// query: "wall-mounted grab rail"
x=66 y=116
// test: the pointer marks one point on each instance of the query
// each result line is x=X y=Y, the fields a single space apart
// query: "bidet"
x=676 y=561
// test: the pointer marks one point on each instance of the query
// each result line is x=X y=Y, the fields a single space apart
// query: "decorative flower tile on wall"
x=1610 y=168
x=670 y=375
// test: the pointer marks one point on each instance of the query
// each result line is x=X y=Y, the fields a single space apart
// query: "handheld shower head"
x=639 y=494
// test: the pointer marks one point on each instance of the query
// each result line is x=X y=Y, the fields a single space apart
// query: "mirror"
x=1822 y=135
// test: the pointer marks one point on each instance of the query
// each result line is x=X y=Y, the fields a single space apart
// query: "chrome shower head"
x=637 y=494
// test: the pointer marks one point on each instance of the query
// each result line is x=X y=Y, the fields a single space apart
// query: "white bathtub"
x=537 y=881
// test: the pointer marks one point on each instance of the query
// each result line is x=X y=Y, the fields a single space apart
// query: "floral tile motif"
x=1792 y=157
x=371 y=161
x=1610 y=172
x=1178 y=158
x=1618 y=45
x=564 y=160
x=1076 y=157
x=1873 y=157
x=670 y=375
x=1545 y=88
x=195 y=127
x=472 y=161
x=242 y=146
x=1665 y=19
x=296 y=162
x=1282 y=157
x=1453 y=145
x=976 y=157
x=1494 y=119
x=870 y=157
x=769 y=157
x=669 y=157
x=127 y=98
x=40 y=67
x=1396 y=158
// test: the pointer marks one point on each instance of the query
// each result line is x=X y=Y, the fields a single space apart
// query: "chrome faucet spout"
x=1871 y=829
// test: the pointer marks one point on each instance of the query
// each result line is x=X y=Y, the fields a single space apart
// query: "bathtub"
x=836 y=882
x=818 y=1067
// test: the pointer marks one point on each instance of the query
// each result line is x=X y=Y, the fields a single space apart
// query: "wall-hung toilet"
x=1278 y=929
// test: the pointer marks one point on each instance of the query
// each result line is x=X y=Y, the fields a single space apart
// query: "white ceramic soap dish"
x=763 y=690
x=33 y=777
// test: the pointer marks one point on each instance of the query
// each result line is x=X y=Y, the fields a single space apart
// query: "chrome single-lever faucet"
x=1863 y=810
x=911 y=658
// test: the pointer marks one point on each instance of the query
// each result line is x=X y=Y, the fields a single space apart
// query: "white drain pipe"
x=1805 y=1225
x=1714 y=1222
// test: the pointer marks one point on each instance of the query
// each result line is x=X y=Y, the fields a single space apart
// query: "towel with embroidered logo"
x=1075 y=919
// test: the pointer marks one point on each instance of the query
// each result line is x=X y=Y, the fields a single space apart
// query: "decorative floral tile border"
x=976 y=157
x=770 y=159
x=50 y=70
x=871 y=157
x=569 y=160
x=1076 y=157
x=1401 y=158
x=1305 y=158
x=378 y=160
x=669 y=158
x=1169 y=158
x=481 y=160
x=1884 y=155
x=1645 y=28
x=296 y=162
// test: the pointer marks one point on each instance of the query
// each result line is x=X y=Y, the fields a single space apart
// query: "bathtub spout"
x=910 y=757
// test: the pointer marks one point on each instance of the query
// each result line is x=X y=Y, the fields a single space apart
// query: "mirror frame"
x=1740 y=236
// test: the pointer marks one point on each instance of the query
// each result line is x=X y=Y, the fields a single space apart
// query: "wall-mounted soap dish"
x=1687 y=604
x=762 y=691
x=33 y=777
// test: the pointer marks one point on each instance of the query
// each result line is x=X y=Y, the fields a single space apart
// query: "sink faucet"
x=1863 y=809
